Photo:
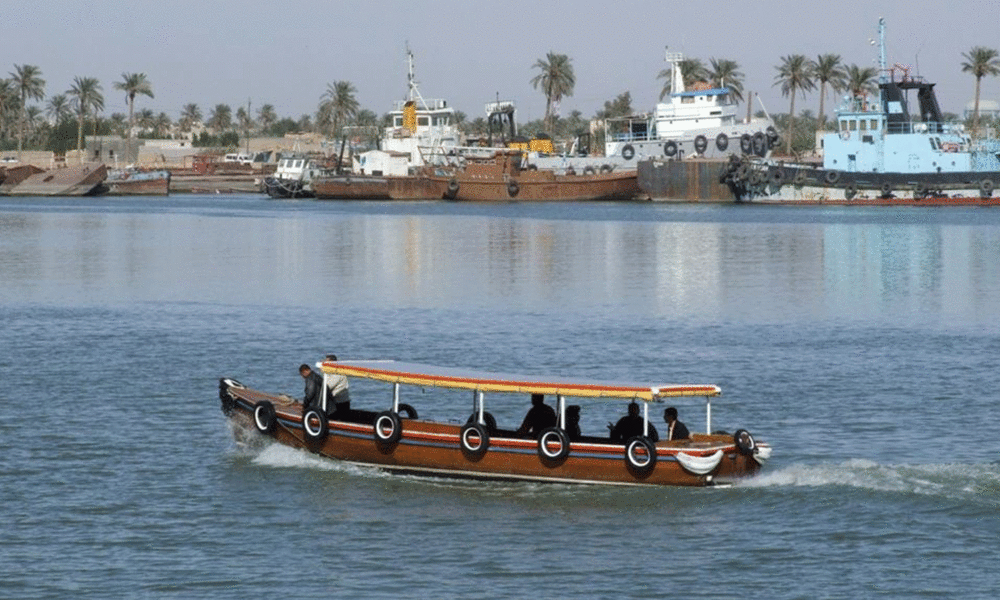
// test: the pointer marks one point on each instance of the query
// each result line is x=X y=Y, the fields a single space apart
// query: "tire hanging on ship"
x=265 y=418
x=670 y=148
x=513 y=189
x=553 y=435
x=640 y=454
x=474 y=439
x=388 y=428
x=700 y=144
x=628 y=152
x=722 y=142
x=315 y=425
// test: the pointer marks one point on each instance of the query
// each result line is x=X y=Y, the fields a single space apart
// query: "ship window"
x=687 y=100
x=397 y=121
x=874 y=126
x=863 y=125
x=424 y=121
x=852 y=125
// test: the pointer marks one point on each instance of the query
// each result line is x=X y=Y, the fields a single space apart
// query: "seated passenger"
x=675 y=429
x=539 y=417
x=573 y=423
x=630 y=426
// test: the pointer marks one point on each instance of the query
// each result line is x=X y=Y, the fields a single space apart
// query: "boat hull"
x=351 y=187
x=765 y=182
x=543 y=186
x=76 y=180
x=139 y=183
x=431 y=448
x=282 y=188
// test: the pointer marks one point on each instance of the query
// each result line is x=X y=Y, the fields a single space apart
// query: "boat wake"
x=959 y=481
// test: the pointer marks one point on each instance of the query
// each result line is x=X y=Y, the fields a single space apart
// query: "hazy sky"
x=285 y=52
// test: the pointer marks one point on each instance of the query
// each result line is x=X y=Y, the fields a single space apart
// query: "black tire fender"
x=315 y=426
x=722 y=142
x=410 y=412
x=552 y=435
x=832 y=177
x=744 y=442
x=641 y=462
x=628 y=152
x=700 y=144
x=513 y=188
x=388 y=428
x=265 y=418
x=670 y=148
x=474 y=439
x=746 y=144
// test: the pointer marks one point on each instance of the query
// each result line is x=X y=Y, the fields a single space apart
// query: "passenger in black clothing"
x=573 y=422
x=312 y=397
x=630 y=426
x=675 y=429
x=539 y=417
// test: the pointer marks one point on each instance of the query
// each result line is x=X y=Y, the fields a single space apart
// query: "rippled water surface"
x=863 y=344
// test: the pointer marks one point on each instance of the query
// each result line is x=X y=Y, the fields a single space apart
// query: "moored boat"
x=138 y=182
x=501 y=178
x=396 y=439
x=74 y=180
x=881 y=155
x=292 y=178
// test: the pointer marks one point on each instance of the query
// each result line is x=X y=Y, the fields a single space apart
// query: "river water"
x=862 y=343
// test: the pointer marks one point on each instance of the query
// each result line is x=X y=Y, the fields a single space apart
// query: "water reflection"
x=727 y=268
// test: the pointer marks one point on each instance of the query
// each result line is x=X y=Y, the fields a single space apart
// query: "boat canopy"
x=431 y=376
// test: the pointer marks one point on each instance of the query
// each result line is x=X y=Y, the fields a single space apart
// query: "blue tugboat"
x=881 y=155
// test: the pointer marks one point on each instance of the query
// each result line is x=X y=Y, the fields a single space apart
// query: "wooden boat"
x=138 y=182
x=396 y=439
x=501 y=178
x=13 y=176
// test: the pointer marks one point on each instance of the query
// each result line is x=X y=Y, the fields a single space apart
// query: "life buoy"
x=589 y=170
x=670 y=148
x=986 y=188
x=513 y=188
x=640 y=454
x=453 y=188
x=315 y=425
x=553 y=436
x=722 y=142
x=388 y=428
x=410 y=412
x=700 y=144
x=746 y=144
x=265 y=418
x=474 y=439
x=744 y=442
x=628 y=152
x=832 y=177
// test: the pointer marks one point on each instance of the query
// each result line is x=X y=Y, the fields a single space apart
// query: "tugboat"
x=700 y=122
x=292 y=177
x=880 y=155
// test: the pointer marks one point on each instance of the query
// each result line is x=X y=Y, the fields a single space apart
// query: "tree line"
x=59 y=124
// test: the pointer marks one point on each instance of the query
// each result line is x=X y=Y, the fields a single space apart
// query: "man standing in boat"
x=337 y=394
x=631 y=425
x=314 y=386
x=675 y=429
x=540 y=416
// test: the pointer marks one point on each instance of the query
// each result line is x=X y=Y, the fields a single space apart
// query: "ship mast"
x=413 y=92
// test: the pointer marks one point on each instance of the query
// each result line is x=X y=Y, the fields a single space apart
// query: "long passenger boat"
x=396 y=439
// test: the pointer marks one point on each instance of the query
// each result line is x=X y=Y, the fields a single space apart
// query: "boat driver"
x=314 y=384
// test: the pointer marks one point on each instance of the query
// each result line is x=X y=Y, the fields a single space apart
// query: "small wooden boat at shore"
x=133 y=181
x=396 y=439
x=501 y=178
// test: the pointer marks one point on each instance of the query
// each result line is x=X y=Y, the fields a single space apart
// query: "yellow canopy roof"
x=430 y=376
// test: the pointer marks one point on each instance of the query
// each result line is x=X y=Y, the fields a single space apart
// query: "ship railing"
x=923 y=127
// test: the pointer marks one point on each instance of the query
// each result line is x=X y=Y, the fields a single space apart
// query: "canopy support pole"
x=645 y=419
x=561 y=404
x=395 y=397
x=708 y=415
x=322 y=401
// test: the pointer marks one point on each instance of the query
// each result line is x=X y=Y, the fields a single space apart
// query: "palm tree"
x=146 y=120
x=190 y=115
x=980 y=61
x=827 y=70
x=266 y=116
x=692 y=70
x=795 y=74
x=7 y=103
x=337 y=106
x=556 y=79
x=244 y=120
x=87 y=95
x=58 y=108
x=860 y=81
x=221 y=118
x=726 y=73
x=28 y=83
x=133 y=84
x=161 y=124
